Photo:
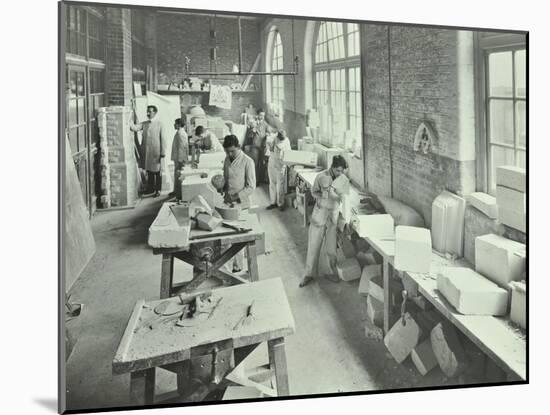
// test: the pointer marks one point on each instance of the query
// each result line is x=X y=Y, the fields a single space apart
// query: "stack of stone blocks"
x=119 y=171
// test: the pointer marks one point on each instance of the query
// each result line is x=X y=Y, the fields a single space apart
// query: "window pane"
x=81 y=137
x=73 y=140
x=500 y=156
x=501 y=121
x=81 y=117
x=72 y=112
x=80 y=84
x=500 y=74
x=520 y=123
x=521 y=68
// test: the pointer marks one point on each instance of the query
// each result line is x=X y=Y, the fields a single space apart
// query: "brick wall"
x=118 y=62
x=413 y=75
x=185 y=35
x=119 y=181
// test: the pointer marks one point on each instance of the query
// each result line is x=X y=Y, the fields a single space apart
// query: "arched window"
x=337 y=84
x=277 y=81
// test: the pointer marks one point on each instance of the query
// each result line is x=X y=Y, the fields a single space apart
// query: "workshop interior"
x=259 y=206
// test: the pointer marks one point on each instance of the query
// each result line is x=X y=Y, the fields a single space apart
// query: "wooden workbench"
x=495 y=336
x=168 y=346
x=183 y=252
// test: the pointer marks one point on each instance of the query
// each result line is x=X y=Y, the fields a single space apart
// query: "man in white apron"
x=276 y=169
x=324 y=219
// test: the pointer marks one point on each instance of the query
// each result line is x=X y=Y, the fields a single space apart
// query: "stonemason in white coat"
x=240 y=181
x=322 y=229
x=276 y=169
x=153 y=147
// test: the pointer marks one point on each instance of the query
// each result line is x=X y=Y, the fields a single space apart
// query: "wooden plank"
x=387 y=305
x=277 y=361
x=166 y=275
x=252 y=261
x=120 y=354
x=142 y=387
x=167 y=343
x=78 y=240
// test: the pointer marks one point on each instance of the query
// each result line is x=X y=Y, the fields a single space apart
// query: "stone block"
x=413 y=249
x=241 y=392
x=207 y=222
x=447 y=349
x=401 y=339
x=374 y=226
x=423 y=357
x=499 y=259
x=512 y=177
x=375 y=311
x=518 y=309
x=484 y=203
x=513 y=219
x=511 y=200
x=165 y=232
x=471 y=293
x=349 y=270
x=376 y=288
x=369 y=272
x=304 y=158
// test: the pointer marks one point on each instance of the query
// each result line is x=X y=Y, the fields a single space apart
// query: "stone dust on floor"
x=328 y=353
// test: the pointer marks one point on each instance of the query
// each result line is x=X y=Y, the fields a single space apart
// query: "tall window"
x=277 y=81
x=505 y=109
x=337 y=84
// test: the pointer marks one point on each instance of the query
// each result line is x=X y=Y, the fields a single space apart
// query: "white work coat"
x=153 y=146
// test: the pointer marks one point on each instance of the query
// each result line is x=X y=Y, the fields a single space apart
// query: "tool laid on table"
x=244 y=320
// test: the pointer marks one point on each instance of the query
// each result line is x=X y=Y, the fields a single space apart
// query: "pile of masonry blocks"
x=433 y=343
x=512 y=197
x=119 y=180
x=503 y=262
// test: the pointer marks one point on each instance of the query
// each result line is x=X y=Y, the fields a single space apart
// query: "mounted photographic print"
x=260 y=207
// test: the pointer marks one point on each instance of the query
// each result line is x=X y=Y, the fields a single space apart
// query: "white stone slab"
x=510 y=199
x=512 y=177
x=403 y=338
x=165 y=232
x=374 y=226
x=448 y=351
x=241 y=392
x=471 y=293
x=304 y=158
x=375 y=311
x=423 y=357
x=518 y=311
x=349 y=270
x=413 y=249
x=485 y=203
x=448 y=223
x=369 y=272
x=499 y=259
x=513 y=219
x=376 y=288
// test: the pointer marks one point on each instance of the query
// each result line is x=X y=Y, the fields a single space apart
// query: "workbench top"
x=142 y=347
x=495 y=336
x=247 y=220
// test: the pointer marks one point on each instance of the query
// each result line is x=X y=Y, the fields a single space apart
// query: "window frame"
x=484 y=46
x=277 y=81
x=329 y=66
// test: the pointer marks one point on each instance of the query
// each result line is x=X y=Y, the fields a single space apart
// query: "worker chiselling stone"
x=322 y=229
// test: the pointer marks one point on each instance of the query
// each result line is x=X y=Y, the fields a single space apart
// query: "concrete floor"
x=328 y=353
